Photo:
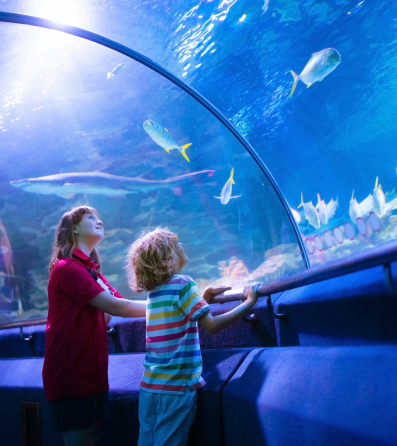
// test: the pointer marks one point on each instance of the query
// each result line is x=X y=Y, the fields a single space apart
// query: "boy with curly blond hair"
x=168 y=397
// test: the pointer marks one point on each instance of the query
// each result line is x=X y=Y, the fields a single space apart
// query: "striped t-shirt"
x=173 y=358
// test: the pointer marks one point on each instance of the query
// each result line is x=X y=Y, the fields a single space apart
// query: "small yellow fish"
x=161 y=137
x=226 y=193
x=320 y=65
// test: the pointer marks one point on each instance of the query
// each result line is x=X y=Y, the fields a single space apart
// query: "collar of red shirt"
x=84 y=259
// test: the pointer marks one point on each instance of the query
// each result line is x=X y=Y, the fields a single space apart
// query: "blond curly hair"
x=151 y=259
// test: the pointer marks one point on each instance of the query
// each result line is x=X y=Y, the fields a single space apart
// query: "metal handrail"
x=26 y=323
x=382 y=255
x=87 y=35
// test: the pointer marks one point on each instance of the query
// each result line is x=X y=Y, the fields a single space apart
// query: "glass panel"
x=71 y=106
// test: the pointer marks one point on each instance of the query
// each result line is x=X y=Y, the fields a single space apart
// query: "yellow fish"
x=161 y=137
x=320 y=65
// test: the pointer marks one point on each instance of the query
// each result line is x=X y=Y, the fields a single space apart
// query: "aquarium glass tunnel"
x=197 y=116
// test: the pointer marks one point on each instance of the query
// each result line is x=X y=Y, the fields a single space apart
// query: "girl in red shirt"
x=80 y=302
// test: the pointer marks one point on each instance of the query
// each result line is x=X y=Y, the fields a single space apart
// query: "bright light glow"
x=242 y=18
x=68 y=12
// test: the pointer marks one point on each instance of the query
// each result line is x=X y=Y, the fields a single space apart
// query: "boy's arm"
x=215 y=324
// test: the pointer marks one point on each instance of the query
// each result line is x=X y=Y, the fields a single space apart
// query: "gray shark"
x=66 y=185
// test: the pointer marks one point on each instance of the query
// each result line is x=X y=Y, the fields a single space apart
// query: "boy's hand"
x=212 y=291
x=250 y=296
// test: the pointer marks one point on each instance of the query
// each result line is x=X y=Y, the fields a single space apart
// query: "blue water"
x=59 y=114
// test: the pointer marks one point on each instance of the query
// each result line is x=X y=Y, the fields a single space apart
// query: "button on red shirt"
x=76 y=354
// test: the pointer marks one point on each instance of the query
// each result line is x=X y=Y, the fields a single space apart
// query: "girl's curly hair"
x=151 y=259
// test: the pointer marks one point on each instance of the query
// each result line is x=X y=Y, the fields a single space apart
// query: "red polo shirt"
x=76 y=354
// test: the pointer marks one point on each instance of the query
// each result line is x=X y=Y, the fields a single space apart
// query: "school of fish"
x=321 y=214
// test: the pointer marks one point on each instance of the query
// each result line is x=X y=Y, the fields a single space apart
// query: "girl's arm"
x=215 y=324
x=119 y=307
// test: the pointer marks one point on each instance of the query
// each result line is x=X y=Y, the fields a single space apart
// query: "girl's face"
x=89 y=230
x=180 y=252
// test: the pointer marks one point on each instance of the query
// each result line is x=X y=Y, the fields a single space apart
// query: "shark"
x=66 y=185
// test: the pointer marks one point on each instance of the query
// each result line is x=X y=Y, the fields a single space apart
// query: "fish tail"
x=376 y=182
x=231 y=176
x=296 y=79
x=110 y=75
x=183 y=151
x=352 y=196
x=301 y=201
x=167 y=150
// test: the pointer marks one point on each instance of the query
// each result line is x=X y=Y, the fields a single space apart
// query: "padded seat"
x=313 y=396
x=13 y=346
x=20 y=380
x=355 y=309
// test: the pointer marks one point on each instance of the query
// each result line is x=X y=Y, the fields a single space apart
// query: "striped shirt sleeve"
x=190 y=300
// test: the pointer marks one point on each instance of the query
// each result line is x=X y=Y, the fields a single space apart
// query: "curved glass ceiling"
x=326 y=141
x=72 y=132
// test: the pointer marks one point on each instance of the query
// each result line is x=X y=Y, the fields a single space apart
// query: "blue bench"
x=20 y=380
x=317 y=396
x=355 y=309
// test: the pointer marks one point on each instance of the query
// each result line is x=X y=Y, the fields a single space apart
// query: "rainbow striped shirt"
x=173 y=358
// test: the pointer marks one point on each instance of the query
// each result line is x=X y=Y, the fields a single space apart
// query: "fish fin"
x=376 y=183
x=110 y=75
x=296 y=79
x=352 y=198
x=66 y=195
x=183 y=151
x=217 y=197
x=167 y=150
x=236 y=196
x=318 y=201
x=308 y=85
x=392 y=191
x=166 y=129
x=142 y=174
x=301 y=204
x=231 y=176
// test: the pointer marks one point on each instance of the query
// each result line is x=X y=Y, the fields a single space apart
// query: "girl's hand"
x=250 y=296
x=211 y=291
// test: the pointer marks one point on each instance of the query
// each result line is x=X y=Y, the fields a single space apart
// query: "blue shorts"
x=166 y=419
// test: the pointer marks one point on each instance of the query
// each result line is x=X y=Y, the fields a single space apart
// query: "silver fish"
x=310 y=212
x=322 y=210
x=379 y=197
x=354 y=209
x=332 y=206
x=380 y=206
x=116 y=70
x=66 y=185
x=320 y=65
x=226 y=193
